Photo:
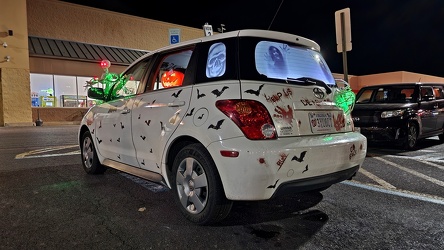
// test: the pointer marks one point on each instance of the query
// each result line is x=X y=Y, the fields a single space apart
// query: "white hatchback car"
x=242 y=115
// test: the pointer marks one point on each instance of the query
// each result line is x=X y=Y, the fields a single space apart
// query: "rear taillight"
x=250 y=116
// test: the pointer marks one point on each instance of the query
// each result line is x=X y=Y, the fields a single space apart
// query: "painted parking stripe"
x=39 y=153
x=402 y=193
x=377 y=179
x=413 y=172
x=426 y=159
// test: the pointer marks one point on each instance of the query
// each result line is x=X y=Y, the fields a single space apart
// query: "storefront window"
x=42 y=88
x=59 y=91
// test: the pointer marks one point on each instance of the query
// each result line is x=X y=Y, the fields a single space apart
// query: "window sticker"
x=281 y=61
x=216 y=60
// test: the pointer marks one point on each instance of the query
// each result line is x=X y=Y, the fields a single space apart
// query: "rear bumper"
x=315 y=183
x=298 y=164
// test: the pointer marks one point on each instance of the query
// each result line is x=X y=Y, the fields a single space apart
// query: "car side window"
x=170 y=70
x=426 y=93
x=133 y=78
x=438 y=91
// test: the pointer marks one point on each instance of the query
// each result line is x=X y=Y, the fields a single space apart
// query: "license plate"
x=321 y=122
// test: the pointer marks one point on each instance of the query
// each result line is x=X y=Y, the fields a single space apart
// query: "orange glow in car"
x=172 y=78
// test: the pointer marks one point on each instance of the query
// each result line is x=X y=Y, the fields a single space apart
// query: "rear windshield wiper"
x=311 y=81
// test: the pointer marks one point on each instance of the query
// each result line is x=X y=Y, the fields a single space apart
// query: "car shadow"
x=253 y=212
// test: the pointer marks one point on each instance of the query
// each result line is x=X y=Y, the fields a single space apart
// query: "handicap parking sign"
x=174 y=36
x=174 y=39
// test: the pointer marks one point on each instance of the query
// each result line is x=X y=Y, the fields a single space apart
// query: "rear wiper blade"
x=312 y=81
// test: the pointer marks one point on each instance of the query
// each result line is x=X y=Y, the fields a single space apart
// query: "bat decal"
x=306 y=169
x=148 y=122
x=142 y=162
x=273 y=186
x=176 y=94
x=254 y=92
x=199 y=95
x=98 y=140
x=139 y=116
x=191 y=112
x=121 y=125
x=118 y=156
x=92 y=132
x=300 y=158
x=114 y=125
x=143 y=137
x=118 y=139
x=217 y=126
x=217 y=92
x=200 y=117
x=151 y=150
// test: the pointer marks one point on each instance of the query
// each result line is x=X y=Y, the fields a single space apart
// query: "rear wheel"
x=411 y=137
x=90 y=160
x=197 y=186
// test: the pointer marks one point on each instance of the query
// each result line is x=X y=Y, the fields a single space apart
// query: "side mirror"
x=96 y=93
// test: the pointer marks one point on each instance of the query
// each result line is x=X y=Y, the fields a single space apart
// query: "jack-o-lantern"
x=172 y=78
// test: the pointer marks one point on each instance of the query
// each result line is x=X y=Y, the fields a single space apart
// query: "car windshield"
x=280 y=61
x=387 y=94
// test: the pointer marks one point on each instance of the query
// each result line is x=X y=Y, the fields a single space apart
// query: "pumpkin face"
x=172 y=78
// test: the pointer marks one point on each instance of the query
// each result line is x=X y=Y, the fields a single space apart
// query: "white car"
x=243 y=115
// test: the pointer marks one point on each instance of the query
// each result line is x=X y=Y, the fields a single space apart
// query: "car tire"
x=411 y=136
x=197 y=187
x=90 y=160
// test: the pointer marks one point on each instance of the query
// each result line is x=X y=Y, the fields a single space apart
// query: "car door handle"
x=176 y=104
x=125 y=111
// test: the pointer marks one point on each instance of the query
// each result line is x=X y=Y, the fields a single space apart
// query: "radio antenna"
x=275 y=14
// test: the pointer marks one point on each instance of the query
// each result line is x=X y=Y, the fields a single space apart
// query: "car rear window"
x=280 y=61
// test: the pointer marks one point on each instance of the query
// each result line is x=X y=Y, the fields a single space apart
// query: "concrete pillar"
x=15 y=93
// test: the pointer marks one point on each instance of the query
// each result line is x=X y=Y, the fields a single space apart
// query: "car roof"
x=241 y=33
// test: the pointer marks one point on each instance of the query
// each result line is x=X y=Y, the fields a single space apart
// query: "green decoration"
x=344 y=98
x=112 y=83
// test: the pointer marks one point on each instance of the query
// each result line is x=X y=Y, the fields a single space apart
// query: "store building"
x=53 y=48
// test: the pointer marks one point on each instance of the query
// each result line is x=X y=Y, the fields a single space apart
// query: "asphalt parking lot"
x=48 y=202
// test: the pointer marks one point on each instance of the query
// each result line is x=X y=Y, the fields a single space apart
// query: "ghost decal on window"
x=216 y=60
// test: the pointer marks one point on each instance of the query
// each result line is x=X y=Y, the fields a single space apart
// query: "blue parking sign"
x=174 y=36
x=174 y=39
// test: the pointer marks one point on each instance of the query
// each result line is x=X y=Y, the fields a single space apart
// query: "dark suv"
x=401 y=112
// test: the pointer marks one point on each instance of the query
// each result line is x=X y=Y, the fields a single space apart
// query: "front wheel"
x=411 y=137
x=197 y=186
x=90 y=160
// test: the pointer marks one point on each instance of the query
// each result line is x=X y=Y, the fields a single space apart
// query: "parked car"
x=400 y=113
x=244 y=115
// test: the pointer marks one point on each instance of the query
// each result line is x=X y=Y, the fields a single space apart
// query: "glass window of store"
x=59 y=91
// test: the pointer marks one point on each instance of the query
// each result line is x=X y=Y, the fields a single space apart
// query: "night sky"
x=387 y=35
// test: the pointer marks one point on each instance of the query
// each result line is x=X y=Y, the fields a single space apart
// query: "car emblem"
x=318 y=93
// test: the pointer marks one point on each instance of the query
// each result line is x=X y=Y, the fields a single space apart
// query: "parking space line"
x=413 y=172
x=37 y=153
x=402 y=193
x=377 y=179
x=426 y=159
